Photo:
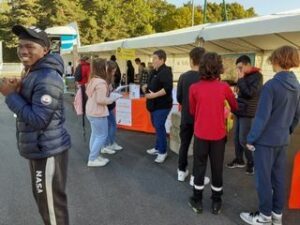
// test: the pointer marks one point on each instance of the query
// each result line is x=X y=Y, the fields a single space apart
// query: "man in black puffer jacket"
x=37 y=101
x=248 y=89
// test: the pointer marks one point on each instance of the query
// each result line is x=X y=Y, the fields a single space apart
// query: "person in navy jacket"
x=277 y=115
x=37 y=101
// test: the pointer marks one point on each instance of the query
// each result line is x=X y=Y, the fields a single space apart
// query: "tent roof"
x=61 y=30
x=243 y=35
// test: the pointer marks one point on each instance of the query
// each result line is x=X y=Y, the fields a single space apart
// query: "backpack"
x=78 y=74
x=78 y=102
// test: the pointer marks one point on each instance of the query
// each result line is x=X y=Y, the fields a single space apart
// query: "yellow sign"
x=125 y=53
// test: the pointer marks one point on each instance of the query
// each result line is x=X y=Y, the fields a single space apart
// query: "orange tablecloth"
x=141 y=120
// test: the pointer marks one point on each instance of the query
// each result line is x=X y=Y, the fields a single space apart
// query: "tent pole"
x=204 y=11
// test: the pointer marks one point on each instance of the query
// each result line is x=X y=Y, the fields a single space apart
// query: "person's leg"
x=152 y=115
x=216 y=156
x=238 y=161
x=200 y=154
x=245 y=126
x=159 y=119
x=111 y=128
x=238 y=147
x=278 y=179
x=48 y=186
x=263 y=160
x=186 y=134
x=99 y=127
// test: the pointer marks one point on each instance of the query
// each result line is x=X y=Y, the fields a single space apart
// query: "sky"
x=262 y=7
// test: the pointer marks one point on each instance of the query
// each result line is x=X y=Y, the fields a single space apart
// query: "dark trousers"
x=48 y=178
x=270 y=168
x=84 y=97
x=186 y=135
x=242 y=128
x=215 y=151
x=159 y=118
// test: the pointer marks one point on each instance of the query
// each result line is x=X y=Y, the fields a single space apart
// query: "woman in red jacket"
x=207 y=98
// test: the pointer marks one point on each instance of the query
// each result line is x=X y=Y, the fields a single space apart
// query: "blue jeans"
x=270 y=163
x=158 y=118
x=242 y=128
x=98 y=137
x=112 y=128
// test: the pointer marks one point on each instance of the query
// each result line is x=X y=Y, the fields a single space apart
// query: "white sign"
x=134 y=91
x=168 y=121
x=123 y=112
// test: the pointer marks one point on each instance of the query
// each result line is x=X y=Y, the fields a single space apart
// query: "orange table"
x=141 y=120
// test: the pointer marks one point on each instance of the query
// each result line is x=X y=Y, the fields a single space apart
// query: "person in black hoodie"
x=159 y=102
x=37 y=100
x=248 y=89
x=187 y=121
x=277 y=116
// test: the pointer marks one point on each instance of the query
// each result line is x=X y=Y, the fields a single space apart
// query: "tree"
x=59 y=12
x=18 y=12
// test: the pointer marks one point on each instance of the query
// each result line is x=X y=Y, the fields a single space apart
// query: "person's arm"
x=231 y=99
x=167 y=85
x=46 y=98
x=179 y=90
x=250 y=88
x=101 y=95
x=192 y=101
x=262 y=115
x=296 y=118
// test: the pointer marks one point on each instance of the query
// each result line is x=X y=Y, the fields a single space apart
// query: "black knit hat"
x=33 y=34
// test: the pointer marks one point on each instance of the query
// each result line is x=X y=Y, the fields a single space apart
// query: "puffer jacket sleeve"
x=47 y=92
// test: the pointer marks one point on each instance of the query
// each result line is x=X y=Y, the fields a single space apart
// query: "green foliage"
x=104 y=20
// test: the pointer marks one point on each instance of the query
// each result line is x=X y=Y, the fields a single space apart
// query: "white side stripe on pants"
x=49 y=174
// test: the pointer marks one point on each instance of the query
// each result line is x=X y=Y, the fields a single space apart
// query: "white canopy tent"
x=245 y=35
x=258 y=35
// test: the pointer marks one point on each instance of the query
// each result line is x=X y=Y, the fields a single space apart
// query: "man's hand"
x=9 y=85
x=250 y=147
x=150 y=95
x=240 y=73
x=144 y=88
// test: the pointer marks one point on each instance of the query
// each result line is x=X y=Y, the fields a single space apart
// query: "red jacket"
x=207 y=102
x=85 y=72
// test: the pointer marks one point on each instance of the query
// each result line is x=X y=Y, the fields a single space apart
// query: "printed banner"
x=123 y=112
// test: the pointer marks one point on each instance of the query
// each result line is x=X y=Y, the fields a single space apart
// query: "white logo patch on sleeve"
x=46 y=99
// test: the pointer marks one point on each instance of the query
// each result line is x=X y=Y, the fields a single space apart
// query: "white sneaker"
x=206 y=180
x=256 y=218
x=99 y=161
x=152 y=151
x=107 y=150
x=160 y=158
x=181 y=175
x=115 y=147
x=276 y=219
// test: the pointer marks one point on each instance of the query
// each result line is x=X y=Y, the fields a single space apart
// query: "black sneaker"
x=216 y=207
x=250 y=169
x=236 y=164
x=196 y=205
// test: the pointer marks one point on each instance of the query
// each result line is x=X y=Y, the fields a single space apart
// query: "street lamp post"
x=193 y=12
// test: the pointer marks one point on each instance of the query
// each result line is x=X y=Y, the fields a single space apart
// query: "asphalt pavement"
x=130 y=190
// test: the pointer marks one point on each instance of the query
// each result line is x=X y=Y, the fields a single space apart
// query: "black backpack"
x=77 y=74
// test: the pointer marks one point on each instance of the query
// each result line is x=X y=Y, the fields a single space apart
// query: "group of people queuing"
x=266 y=115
